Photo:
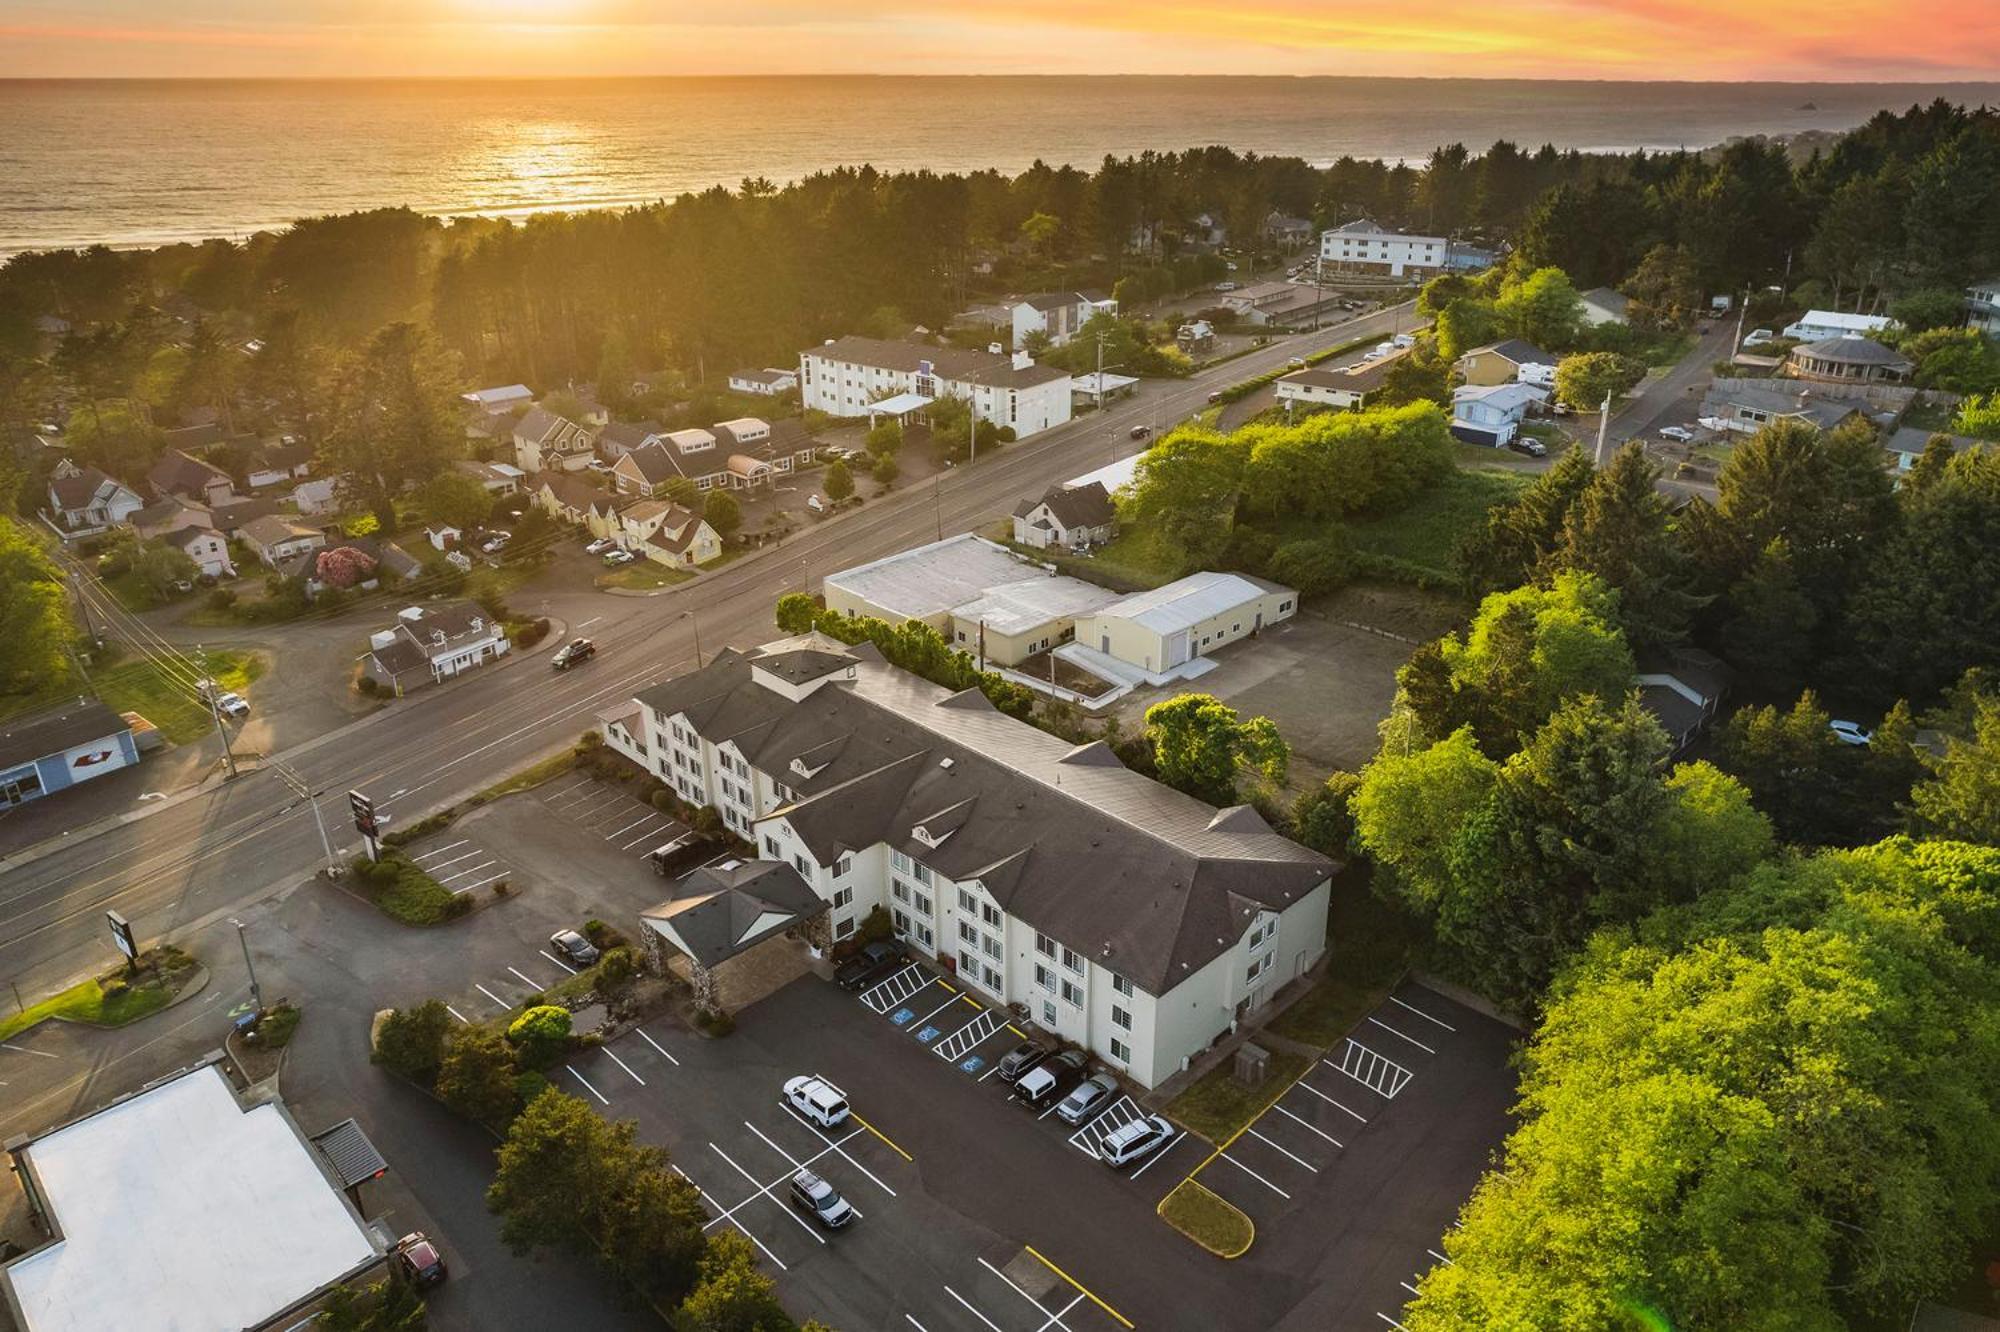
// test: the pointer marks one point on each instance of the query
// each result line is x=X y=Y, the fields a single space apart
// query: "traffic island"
x=155 y=979
x=1207 y=1219
x=400 y=889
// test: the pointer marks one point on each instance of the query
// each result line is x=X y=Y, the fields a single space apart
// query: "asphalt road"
x=199 y=858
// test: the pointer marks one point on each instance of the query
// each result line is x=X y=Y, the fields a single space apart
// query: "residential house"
x=84 y=501
x=1288 y=233
x=432 y=643
x=1849 y=358
x=1205 y=232
x=1167 y=628
x=1056 y=315
x=1906 y=444
x=1363 y=247
x=1819 y=325
x=1982 y=306
x=569 y=498
x=619 y=438
x=443 y=537
x=278 y=540
x=318 y=496
x=1345 y=387
x=181 y=473
x=206 y=547
x=1682 y=687
x=850 y=376
x=1492 y=414
x=1602 y=305
x=1747 y=405
x=382 y=557
x=230 y=519
x=668 y=534
x=546 y=442
x=1280 y=304
x=766 y=383
x=505 y=398
x=172 y=514
x=498 y=478
x=276 y=464
x=1507 y=362
x=1067 y=517
x=645 y=470
x=1195 y=335
x=1113 y=912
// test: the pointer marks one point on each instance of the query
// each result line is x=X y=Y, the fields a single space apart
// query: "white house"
x=277 y=539
x=1362 y=247
x=321 y=495
x=84 y=501
x=1162 y=630
x=1982 y=306
x=766 y=383
x=206 y=547
x=847 y=376
x=430 y=644
x=1819 y=325
x=1137 y=922
x=1056 y=315
x=505 y=398
x=498 y=478
x=277 y=463
x=1492 y=414
x=1067 y=517
x=668 y=534
x=1344 y=387
x=1602 y=305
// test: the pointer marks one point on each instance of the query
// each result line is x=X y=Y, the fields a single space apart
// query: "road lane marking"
x=661 y=1048
x=1420 y=1013
x=586 y=1084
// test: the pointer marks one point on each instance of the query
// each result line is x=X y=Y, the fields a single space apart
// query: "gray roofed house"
x=1134 y=885
x=433 y=642
x=1746 y=405
x=619 y=438
x=178 y=473
x=1907 y=444
x=1068 y=516
x=1849 y=358
x=1602 y=305
x=84 y=500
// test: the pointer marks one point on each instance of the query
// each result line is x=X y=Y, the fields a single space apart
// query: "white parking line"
x=1053 y=1319
x=1309 y=1127
x=724 y=1215
x=490 y=995
x=645 y=836
x=894 y=989
x=463 y=855
x=1254 y=1175
x=661 y=1048
x=455 y=1013
x=1420 y=1013
x=1172 y=1143
x=969 y=1309
x=1306 y=1086
x=589 y=805
x=440 y=850
x=796 y=1164
x=651 y=817
x=919 y=1023
x=1282 y=1151
x=914 y=1323
x=628 y=1070
x=586 y=1083
x=481 y=883
x=836 y=1146
x=524 y=976
x=1383 y=1076
x=22 y=1049
x=710 y=1200
x=1440 y=1257
x=1411 y=1039
x=764 y=1191
x=558 y=961
x=1392 y=1322
x=483 y=865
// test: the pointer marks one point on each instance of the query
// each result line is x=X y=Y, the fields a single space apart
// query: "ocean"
x=146 y=162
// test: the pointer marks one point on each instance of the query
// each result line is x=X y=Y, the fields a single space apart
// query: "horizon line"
x=572 y=78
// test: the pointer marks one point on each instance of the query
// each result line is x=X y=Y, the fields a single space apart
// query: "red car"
x=417 y=1260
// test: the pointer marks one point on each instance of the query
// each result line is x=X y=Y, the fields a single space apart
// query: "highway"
x=202 y=858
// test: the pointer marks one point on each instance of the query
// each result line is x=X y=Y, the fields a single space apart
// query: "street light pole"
x=256 y=995
x=695 y=620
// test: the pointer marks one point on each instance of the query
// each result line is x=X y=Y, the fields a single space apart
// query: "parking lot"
x=462 y=864
x=611 y=812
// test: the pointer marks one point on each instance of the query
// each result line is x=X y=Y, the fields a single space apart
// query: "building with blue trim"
x=58 y=747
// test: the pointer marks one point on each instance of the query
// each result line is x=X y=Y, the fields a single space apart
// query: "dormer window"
x=806 y=770
x=930 y=839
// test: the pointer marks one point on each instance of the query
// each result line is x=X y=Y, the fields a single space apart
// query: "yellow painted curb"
x=1249 y=1226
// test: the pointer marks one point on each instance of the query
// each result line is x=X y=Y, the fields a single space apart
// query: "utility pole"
x=89 y=627
x=695 y=620
x=303 y=789
x=209 y=692
x=1742 y=308
x=1603 y=427
x=256 y=995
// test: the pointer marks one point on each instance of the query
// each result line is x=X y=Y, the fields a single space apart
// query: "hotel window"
x=902 y=920
x=771 y=851
x=843 y=866
x=899 y=861
x=992 y=947
x=966 y=902
x=1121 y=986
x=967 y=933
x=843 y=928
x=994 y=980
x=1120 y=1018
x=922 y=934
x=990 y=914
x=1072 y=994
x=924 y=876
x=1121 y=1052
x=899 y=890
x=1258 y=968
x=1048 y=1013
x=968 y=963
x=921 y=902
x=843 y=897
x=1045 y=945
x=803 y=866
x=1044 y=977
x=1071 y=960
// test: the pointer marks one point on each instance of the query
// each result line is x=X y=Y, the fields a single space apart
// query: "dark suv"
x=1021 y=1058
x=873 y=963
x=571 y=653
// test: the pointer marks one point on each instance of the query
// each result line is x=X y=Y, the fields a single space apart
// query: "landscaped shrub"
x=365 y=686
x=401 y=888
x=616 y=969
x=411 y=1040
x=540 y=1034
x=603 y=935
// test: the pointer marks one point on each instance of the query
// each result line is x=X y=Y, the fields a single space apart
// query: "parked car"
x=599 y=546
x=1226 y=286
x=1050 y=1079
x=1026 y=1055
x=1090 y=1096
x=232 y=706
x=820 y=1200
x=1296 y=363
x=1134 y=1141
x=874 y=962
x=613 y=559
x=1562 y=408
x=572 y=652
x=1758 y=337
x=1850 y=733
x=495 y=542
x=1141 y=432
x=1215 y=396
x=1529 y=445
x=1679 y=434
x=817 y=1099
x=417 y=1260
x=816 y=504
x=574 y=947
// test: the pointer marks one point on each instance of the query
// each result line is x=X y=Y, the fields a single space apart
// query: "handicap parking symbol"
x=901 y=1017
x=929 y=1034
x=973 y=1063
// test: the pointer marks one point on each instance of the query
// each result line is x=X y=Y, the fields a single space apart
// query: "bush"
x=276 y=1027
x=540 y=1034
x=220 y=599
x=616 y=969
x=400 y=888
x=478 y=1078
x=411 y=1040
x=663 y=800
x=1315 y=564
x=524 y=636
x=423 y=827
x=604 y=936
x=367 y=688
x=714 y=1024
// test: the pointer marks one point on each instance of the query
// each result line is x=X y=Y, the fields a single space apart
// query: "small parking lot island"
x=1111 y=911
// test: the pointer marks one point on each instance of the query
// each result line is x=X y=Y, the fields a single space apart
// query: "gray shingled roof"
x=1087 y=505
x=55 y=729
x=1148 y=882
x=958 y=363
x=719 y=911
x=1853 y=349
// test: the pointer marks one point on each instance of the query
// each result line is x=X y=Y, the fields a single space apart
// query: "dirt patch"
x=1406 y=612
x=1067 y=675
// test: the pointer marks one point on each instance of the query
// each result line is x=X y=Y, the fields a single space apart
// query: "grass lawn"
x=400 y=888
x=112 y=1000
x=1369 y=943
x=136 y=686
x=1218 y=1106
x=1422 y=536
x=1135 y=555
x=1207 y=1219
x=533 y=775
x=642 y=576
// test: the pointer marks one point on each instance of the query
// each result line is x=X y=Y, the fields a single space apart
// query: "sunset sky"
x=1894 y=40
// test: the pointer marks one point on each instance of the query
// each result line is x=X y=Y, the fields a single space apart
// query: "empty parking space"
x=462 y=864
x=612 y=812
x=1021 y=1293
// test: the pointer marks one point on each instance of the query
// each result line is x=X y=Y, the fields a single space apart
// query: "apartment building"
x=1362 y=247
x=1122 y=915
x=849 y=376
